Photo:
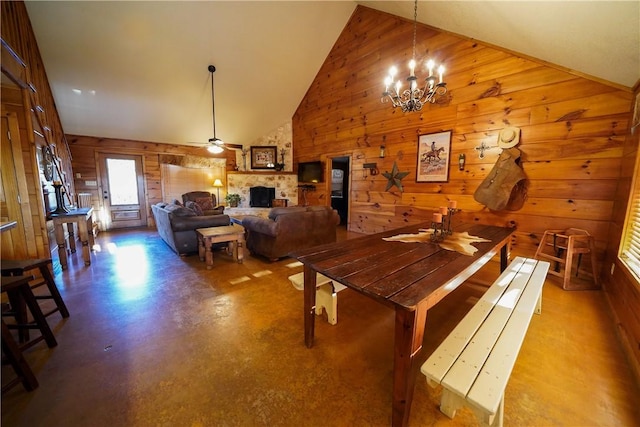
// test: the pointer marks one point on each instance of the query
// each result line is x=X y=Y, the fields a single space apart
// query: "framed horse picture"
x=434 y=151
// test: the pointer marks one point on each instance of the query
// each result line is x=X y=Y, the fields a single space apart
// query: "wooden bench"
x=326 y=294
x=474 y=362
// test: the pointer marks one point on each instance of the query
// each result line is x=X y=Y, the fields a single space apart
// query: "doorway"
x=122 y=191
x=340 y=187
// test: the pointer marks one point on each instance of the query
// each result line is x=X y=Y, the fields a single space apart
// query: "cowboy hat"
x=509 y=137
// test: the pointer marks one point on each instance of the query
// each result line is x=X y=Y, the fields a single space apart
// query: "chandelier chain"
x=415 y=27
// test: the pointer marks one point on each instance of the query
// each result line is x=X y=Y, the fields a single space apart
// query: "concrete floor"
x=158 y=340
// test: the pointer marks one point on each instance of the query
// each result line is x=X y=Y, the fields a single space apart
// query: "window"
x=630 y=253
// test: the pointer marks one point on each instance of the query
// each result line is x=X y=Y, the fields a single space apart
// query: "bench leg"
x=450 y=403
x=494 y=420
x=325 y=297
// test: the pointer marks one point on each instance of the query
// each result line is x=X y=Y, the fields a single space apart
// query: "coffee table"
x=233 y=234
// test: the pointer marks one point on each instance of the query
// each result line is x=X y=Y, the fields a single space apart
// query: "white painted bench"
x=474 y=362
x=326 y=294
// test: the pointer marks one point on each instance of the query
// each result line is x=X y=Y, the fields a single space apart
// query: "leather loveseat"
x=289 y=229
x=176 y=225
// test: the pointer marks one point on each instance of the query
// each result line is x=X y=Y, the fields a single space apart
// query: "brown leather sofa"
x=203 y=200
x=290 y=229
x=177 y=226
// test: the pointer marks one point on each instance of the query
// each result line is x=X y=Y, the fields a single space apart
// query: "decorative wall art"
x=394 y=178
x=263 y=157
x=434 y=150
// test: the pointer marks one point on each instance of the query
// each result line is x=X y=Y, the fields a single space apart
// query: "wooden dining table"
x=409 y=277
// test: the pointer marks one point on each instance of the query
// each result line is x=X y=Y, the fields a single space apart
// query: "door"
x=340 y=187
x=14 y=242
x=123 y=198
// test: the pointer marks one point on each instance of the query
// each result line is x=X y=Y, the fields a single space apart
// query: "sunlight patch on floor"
x=262 y=273
x=294 y=264
x=239 y=280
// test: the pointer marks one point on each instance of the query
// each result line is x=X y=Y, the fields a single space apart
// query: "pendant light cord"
x=213 y=101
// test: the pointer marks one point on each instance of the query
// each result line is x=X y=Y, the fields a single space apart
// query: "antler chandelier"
x=413 y=98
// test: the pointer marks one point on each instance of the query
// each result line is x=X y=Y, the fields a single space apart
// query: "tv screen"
x=310 y=172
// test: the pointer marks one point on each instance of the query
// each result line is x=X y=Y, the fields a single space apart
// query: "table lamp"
x=217 y=183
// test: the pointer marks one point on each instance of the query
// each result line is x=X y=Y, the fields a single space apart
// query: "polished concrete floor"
x=158 y=340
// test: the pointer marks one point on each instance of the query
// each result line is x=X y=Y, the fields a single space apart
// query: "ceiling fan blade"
x=233 y=146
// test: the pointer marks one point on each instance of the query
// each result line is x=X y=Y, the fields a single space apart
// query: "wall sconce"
x=461 y=160
x=372 y=168
x=382 y=148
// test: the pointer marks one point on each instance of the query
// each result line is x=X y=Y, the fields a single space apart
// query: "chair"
x=561 y=246
x=205 y=200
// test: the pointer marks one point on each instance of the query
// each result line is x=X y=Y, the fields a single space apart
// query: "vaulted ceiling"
x=138 y=70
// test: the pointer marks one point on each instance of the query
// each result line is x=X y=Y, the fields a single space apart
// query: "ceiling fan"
x=216 y=145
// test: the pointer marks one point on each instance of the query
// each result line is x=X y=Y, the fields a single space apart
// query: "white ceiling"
x=138 y=70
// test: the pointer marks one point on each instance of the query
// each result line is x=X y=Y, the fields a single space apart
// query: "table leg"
x=504 y=257
x=84 y=238
x=240 y=248
x=92 y=240
x=72 y=237
x=208 y=253
x=200 y=247
x=62 y=245
x=409 y=331
x=309 y=305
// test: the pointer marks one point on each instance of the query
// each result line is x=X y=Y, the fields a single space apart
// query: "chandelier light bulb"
x=430 y=65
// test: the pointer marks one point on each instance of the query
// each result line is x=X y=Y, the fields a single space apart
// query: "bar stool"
x=21 y=267
x=561 y=246
x=19 y=292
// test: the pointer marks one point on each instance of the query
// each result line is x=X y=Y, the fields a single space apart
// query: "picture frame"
x=263 y=157
x=434 y=153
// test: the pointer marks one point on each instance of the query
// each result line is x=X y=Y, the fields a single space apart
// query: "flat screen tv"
x=310 y=172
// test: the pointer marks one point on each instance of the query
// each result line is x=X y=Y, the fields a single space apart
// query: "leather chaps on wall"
x=505 y=186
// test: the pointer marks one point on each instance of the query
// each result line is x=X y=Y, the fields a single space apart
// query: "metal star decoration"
x=394 y=178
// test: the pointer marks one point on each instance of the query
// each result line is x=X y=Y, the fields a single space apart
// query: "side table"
x=82 y=217
x=233 y=234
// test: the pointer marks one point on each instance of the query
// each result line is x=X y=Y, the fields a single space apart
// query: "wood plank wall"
x=38 y=120
x=573 y=131
x=85 y=150
x=622 y=288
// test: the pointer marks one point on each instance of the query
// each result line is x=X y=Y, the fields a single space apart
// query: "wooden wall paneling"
x=85 y=150
x=571 y=129
x=622 y=288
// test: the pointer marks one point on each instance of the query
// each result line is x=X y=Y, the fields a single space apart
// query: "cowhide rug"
x=459 y=242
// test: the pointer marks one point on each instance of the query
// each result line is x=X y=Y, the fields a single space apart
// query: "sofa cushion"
x=194 y=207
x=275 y=212
x=177 y=210
x=205 y=203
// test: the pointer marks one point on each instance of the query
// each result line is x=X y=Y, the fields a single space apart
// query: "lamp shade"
x=217 y=183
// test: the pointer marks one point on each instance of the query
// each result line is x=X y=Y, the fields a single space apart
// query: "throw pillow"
x=205 y=203
x=194 y=207
x=177 y=202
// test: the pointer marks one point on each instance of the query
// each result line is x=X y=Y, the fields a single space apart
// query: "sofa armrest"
x=260 y=225
x=184 y=223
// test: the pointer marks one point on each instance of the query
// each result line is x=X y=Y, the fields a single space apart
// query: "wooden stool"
x=20 y=293
x=20 y=267
x=22 y=369
x=561 y=246
x=326 y=294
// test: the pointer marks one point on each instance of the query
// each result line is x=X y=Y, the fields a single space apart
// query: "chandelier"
x=414 y=97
